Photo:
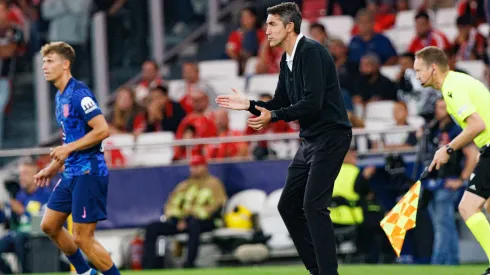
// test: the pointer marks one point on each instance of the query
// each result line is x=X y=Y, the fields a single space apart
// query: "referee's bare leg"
x=306 y=197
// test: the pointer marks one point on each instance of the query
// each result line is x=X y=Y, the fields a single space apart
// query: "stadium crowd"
x=148 y=107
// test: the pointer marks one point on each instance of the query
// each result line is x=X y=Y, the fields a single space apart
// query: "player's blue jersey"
x=74 y=108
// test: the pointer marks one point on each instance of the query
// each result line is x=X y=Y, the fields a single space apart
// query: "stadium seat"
x=224 y=86
x=377 y=124
x=119 y=150
x=174 y=89
x=416 y=121
x=250 y=66
x=338 y=26
x=390 y=71
x=475 y=68
x=451 y=32
x=253 y=200
x=380 y=110
x=153 y=149
x=238 y=120
x=272 y=224
x=402 y=39
x=484 y=29
x=264 y=83
x=305 y=28
x=405 y=19
x=446 y=17
x=213 y=69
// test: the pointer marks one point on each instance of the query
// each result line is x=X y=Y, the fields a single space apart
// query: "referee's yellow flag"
x=402 y=218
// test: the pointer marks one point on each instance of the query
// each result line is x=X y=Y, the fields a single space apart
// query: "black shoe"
x=487 y=272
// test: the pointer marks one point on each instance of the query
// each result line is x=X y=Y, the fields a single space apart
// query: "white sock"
x=87 y=273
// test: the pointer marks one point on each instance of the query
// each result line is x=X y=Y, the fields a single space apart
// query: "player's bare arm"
x=476 y=125
x=99 y=132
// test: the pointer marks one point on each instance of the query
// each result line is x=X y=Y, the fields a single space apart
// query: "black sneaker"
x=487 y=272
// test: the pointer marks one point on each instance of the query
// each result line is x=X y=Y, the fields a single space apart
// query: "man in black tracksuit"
x=308 y=90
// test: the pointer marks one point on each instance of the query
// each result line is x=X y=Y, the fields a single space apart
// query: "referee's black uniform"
x=311 y=94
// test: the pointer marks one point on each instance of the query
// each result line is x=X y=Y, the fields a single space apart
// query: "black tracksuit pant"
x=306 y=196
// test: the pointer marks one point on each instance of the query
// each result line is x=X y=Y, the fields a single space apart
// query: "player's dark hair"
x=289 y=13
x=422 y=14
x=61 y=48
x=319 y=26
x=161 y=88
x=433 y=55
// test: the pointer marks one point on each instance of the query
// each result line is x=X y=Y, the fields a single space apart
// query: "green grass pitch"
x=299 y=270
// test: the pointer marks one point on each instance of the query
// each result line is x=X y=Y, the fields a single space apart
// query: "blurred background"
x=156 y=66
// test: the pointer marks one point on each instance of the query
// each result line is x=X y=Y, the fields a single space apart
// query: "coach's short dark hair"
x=289 y=13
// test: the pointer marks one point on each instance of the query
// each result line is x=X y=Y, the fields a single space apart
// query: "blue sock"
x=112 y=271
x=78 y=262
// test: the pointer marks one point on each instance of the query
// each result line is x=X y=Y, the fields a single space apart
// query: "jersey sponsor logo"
x=66 y=110
x=88 y=105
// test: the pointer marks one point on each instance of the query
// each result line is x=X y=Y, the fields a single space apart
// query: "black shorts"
x=480 y=179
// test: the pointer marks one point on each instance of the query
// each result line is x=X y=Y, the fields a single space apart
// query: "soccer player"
x=468 y=102
x=82 y=189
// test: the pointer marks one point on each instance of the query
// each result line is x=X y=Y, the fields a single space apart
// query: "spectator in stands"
x=226 y=150
x=319 y=33
x=351 y=7
x=474 y=10
x=11 y=44
x=268 y=59
x=347 y=71
x=30 y=11
x=17 y=212
x=202 y=121
x=420 y=100
x=192 y=82
x=452 y=59
x=262 y=150
x=470 y=44
x=436 y=4
x=384 y=18
x=371 y=241
x=369 y=41
x=399 y=140
x=124 y=111
x=193 y=207
x=162 y=114
x=150 y=78
x=445 y=185
x=68 y=22
x=374 y=85
x=245 y=42
x=426 y=34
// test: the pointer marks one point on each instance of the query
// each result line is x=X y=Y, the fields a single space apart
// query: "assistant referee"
x=468 y=102
x=308 y=90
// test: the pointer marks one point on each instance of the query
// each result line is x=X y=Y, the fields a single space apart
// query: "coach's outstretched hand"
x=233 y=102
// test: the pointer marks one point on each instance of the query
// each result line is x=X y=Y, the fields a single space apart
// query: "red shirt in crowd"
x=226 y=150
x=435 y=38
x=236 y=38
x=382 y=22
x=205 y=128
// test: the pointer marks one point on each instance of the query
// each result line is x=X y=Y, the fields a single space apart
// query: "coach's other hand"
x=440 y=158
x=258 y=123
x=61 y=153
x=233 y=102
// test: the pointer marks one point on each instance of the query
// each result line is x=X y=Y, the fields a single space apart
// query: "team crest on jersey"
x=66 y=110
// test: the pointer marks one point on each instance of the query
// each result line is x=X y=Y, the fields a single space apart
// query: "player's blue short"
x=85 y=197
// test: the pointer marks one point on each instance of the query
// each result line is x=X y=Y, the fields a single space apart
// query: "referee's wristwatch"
x=273 y=117
x=449 y=149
